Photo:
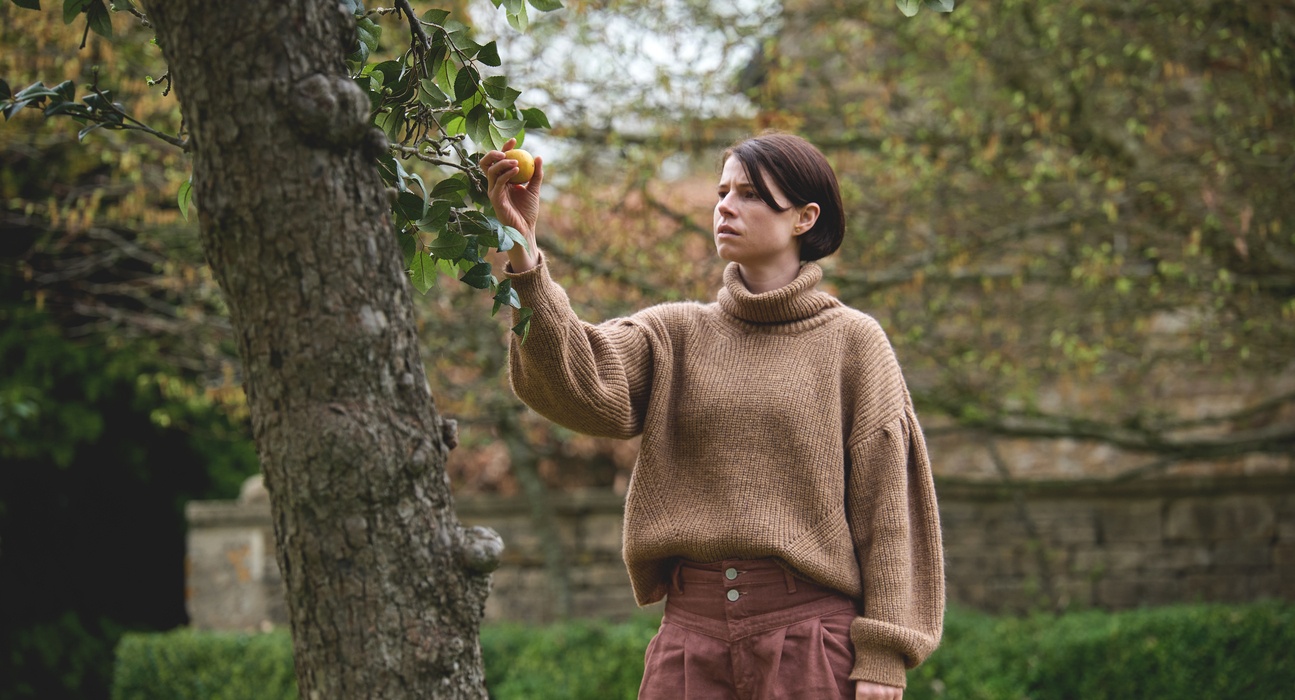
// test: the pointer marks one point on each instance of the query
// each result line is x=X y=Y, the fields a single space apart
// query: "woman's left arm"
x=896 y=530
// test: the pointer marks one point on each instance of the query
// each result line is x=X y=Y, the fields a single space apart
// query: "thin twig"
x=137 y=125
x=411 y=151
x=414 y=27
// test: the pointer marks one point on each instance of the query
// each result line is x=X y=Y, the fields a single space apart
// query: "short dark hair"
x=802 y=172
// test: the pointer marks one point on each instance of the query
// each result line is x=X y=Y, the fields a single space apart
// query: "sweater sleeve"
x=896 y=531
x=594 y=379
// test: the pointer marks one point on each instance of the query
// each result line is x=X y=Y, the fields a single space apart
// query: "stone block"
x=1238 y=517
x=1243 y=555
x=1284 y=558
x=1130 y=521
x=1178 y=559
x=1226 y=587
x=1087 y=561
x=1126 y=559
x=1061 y=522
x=600 y=534
x=1129 y=592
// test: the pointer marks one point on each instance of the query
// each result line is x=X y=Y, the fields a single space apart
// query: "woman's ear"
x=806 y=218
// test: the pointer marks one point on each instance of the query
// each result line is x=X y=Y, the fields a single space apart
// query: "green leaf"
x=489 y=55
x=436 y=16
x=505 y=295
x=518 y=21
x=35 y=91
x=455 y=125
x=535 y=118
x=432 y=95
x=446 y=75
x=408 y=246
x=72 y=108
x=908 y=7
x=99 y=19
x=546 y=5
x=369 y=34
x=183 y=198
x=410 y=206
x=392 y=122
x=497 y=138
x=465 y=84
x=515 y=236
x=474 y=223
x=479 y=276
x=436 y=217
x=66 y=90
x=5 y=93
x=80 y=135
x=72 y=8
x=940 y=5
x=422 y=273
x=479 y=125
x=510 y=127
x=449 y=245
x=355 y=7
x=28 y=4
x=451 y=188
x=390 y=170
x=523 y=327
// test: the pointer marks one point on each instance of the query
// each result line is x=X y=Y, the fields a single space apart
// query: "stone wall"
x=1031 y=546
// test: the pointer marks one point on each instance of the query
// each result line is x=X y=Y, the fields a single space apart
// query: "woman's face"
x=748 y=231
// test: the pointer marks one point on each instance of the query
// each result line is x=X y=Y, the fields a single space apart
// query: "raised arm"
x=515 y=205
x=594 y=379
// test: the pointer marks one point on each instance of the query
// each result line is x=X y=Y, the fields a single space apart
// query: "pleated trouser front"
x=749 y=630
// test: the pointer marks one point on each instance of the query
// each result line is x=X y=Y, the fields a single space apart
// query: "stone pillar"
x=231 y=578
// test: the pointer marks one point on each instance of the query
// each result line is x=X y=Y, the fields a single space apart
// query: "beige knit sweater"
x=774 y=425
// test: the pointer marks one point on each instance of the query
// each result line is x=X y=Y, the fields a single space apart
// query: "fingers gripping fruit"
x=525 y=166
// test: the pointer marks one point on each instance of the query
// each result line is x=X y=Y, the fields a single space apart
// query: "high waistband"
x=733 y=598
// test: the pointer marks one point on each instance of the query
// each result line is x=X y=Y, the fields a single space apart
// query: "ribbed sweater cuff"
x=533 y=286
x=879 y=666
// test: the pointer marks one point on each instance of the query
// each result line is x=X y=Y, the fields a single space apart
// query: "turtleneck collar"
x=795 y=302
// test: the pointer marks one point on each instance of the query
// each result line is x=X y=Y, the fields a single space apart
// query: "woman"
x=782 y=500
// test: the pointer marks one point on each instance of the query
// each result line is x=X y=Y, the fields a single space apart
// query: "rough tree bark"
x=385 y=589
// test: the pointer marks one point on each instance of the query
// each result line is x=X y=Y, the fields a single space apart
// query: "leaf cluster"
x=437 y=104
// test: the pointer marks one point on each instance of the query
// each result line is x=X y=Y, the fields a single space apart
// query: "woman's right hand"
x=515 y=205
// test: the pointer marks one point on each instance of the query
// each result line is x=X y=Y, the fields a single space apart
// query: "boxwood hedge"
x=1173 y=653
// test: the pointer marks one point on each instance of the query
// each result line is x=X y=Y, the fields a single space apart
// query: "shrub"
x=1173 y=653
x=1169 y=653
x=204 y=666
x=578 y=660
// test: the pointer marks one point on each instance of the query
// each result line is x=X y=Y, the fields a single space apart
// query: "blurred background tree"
x=1073 y=219
x=119 y=398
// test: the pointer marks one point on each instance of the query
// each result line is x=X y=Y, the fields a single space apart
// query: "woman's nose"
x=723 y=206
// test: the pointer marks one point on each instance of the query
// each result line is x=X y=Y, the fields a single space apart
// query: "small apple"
x=525 y=166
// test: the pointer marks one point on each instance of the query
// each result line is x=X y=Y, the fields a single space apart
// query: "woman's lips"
x=726 y=230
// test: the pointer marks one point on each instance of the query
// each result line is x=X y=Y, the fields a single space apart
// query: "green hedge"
x=204 y=666
x=1171 y=653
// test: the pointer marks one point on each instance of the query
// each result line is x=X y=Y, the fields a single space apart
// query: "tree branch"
x=415 y=28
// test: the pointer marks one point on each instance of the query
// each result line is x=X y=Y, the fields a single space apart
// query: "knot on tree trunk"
x=480 y=549
x=449 y=433
x=330 y=111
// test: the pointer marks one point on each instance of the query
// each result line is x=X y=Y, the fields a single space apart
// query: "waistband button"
x=730 y=573
x=733 y=595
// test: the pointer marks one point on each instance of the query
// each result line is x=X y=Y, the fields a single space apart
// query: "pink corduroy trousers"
x=748 y=630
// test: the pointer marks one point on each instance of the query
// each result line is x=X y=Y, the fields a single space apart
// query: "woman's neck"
x=761 y=278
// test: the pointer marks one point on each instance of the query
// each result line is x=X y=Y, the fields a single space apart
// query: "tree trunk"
x=385 y=590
